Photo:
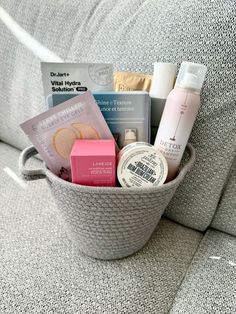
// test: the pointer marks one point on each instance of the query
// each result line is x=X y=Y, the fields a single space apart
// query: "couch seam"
x=187 y=269
x=233 y=164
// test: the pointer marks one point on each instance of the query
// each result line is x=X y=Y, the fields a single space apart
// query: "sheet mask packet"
x=131 y=81
x=75 y=77
x=123 y=112
x=54 y=131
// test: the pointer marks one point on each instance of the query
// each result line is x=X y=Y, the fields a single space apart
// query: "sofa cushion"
x=40 y=273
x=210 y=284
x=132 y=35
x=21 y=89
x=225 y=217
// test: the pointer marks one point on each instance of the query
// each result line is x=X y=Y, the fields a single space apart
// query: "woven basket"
x=104 y=222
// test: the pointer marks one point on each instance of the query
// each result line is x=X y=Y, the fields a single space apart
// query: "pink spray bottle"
x=179 y=115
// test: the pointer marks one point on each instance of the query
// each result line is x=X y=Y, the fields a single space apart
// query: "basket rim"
x=127 y=190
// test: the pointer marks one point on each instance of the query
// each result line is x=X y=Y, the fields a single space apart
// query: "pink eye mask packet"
x=54 y=131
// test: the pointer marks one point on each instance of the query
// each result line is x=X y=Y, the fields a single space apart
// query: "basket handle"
x=30 y=174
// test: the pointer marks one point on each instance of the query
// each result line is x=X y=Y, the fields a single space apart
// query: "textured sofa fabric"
x=225 y=217
x=21 y=86
x=132 y=35
x=40 y=273
x=210 y=284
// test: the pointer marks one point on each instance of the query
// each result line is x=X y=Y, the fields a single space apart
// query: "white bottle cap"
x=163 y=79
x=191 y=75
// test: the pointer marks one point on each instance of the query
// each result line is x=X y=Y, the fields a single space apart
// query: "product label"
x=175 y=127
x=97 y=171
x=143 y=167
x=61 y=82
x=76 y=77
x=142 y=171
x=170 y=150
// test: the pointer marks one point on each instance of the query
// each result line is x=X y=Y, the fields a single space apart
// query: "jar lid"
x=141 y=165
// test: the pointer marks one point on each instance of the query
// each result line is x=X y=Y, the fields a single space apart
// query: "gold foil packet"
x=131 y=81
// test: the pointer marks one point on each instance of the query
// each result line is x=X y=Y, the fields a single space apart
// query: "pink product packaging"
x=54 y=131
x=179 y=115
x=93 y=162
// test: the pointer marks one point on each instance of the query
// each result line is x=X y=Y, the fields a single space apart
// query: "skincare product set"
x=98 y=126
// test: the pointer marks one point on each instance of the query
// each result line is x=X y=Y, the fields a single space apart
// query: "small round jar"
x=141 y=165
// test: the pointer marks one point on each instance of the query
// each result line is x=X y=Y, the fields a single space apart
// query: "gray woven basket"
x=104 y=222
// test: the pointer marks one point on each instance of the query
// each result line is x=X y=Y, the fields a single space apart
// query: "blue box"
x=122 y=111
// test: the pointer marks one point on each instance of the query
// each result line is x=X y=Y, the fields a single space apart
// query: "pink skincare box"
x=93 y=162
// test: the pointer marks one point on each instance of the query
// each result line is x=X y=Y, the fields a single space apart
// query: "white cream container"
x=141 y=165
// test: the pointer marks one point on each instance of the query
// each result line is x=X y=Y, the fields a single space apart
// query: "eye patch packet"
x=54 y=131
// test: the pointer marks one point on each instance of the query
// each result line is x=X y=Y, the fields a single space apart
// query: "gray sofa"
x=189 y=264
